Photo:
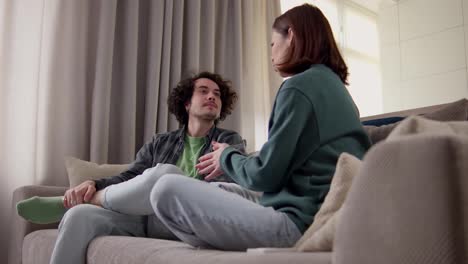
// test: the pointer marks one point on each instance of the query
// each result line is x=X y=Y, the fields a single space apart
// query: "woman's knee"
x=168 y=187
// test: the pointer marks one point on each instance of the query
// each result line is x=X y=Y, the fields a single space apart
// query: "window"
x=356 y=32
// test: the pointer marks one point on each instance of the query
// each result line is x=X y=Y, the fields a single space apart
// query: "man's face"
x=206 y=100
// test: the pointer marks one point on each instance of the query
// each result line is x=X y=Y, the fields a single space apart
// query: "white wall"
x=424 y=47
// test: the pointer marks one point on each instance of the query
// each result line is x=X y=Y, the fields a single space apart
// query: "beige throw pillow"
x=79 y=170
x=319 y=236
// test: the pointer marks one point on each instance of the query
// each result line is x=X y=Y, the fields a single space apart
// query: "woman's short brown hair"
x=183 y=92
x=313 y=41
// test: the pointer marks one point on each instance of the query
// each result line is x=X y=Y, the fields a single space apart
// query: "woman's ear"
x=290 y=36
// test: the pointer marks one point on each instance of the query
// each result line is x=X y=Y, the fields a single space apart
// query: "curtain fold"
x=91 y=78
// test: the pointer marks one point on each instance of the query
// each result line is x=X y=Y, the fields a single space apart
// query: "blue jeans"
x=163 y=203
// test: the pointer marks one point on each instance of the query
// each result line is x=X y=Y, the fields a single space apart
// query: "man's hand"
x=83 y=193
x=209 y=163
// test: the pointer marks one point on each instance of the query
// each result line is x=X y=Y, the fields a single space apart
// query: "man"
x=198 y=103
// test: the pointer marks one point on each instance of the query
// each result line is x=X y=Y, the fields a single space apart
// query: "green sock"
x=42 y=210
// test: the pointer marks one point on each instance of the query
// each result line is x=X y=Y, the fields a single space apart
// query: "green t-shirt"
x=188 y=160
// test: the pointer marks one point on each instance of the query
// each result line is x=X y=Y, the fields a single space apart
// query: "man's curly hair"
x=183 y=92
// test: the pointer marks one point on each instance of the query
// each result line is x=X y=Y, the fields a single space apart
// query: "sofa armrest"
x=408 y=204
x=20 y=227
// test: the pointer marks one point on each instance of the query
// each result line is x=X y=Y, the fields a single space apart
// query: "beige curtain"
x=90 y=78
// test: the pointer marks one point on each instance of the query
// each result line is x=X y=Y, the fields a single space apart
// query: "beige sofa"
x=408 y=204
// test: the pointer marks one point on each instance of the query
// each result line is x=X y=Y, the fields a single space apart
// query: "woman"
x=313 y=121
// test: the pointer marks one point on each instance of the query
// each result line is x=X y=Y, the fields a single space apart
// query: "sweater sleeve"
x=270 y=170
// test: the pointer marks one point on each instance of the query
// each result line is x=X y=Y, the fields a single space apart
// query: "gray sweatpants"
x=163 y=203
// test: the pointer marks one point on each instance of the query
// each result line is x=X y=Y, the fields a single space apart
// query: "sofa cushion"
x=408 y=204
x=456 y=111
x=37 y=249
x=38 y=246
x=411 y=195
x=416 y=125
x=319 y=236
x=79 y=170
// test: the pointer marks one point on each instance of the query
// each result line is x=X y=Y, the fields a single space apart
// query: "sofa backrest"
x=455 y=111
